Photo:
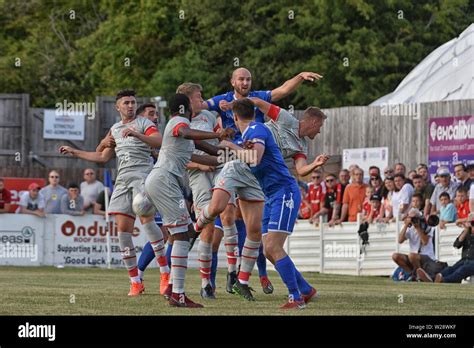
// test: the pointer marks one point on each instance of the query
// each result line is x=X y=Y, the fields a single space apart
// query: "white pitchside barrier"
x=63 y=240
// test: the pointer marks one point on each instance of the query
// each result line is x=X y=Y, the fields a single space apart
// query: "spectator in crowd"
x=316 y=192
x=374 y=171
x=352 y=167
x=99 y=205
x=470 y=170
x=344 y=177
x=421 y=254
x=72 y=203
x=417 y=202
x=386 y=210
x=5 y=198
x=371 y=213
x=447 y=212
x=333 y=198
x=366 y=204
x=376 y=183
x=463 y=205
x=422 y=169
x=401 y=197
x=388 y=171
x=465 y=267
x=426 y=190
x=52 y=194
x=354 y=196
x=411 y=174
x=305 y=208
x=90 y=189
x=400 y=169
x=462 y=176
x=31 y=202
x=445 y=185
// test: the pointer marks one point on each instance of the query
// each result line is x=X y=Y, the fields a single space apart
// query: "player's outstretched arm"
x=206 y=147
x=303 y=168
x=98 y=157
x=290 y=86
x=194 y=134
x=251 y=154
x=206 y=160
x=261 y=104
x=153 y=140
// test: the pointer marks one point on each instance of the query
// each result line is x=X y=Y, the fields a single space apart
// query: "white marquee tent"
x=447 y=73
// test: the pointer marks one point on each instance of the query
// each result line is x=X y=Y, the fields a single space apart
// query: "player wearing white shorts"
x=134 y=137
x=164 y=184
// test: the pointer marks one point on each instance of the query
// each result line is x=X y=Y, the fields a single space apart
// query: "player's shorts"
x=281 y=210
x=237 y=179
x=126 y=187
x=165 y=191
x=201 y=184
x=218 y=224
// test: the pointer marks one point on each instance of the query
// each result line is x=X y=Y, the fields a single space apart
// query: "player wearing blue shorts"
x=282 y=199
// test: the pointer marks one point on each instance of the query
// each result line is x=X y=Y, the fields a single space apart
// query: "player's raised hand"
x=108 y=141
x=226 y=133
x=224 y=105
x=321 y=160
x=310 y=76
x=247 y=144
x=66 y=150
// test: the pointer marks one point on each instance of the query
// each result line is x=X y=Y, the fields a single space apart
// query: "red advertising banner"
x=17 y=185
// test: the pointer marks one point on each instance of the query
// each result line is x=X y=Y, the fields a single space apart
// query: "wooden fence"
x=24 y=152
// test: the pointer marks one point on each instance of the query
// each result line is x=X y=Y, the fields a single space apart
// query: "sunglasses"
x=374 y=179
x=54 y=177
x=329 y=180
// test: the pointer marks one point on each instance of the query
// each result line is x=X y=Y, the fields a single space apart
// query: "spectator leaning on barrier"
x=31 y=202
x=420 y=238
x=52 y=194
x=447 y=212
x=90 y=189
x=72 y=203
x=465 y=267
x=445 y=185
x=375 y=181
x=423 y=188
x=5 y=198
x=462 y=205
x=316 y=192
x=352 y=167
x=417 y=202
x=386 y=210
x=462 y=176
x=332 y=199
x=354 y=196
x=344 y=177
x=401 y=197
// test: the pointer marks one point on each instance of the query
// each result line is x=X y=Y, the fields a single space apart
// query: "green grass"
x=48 y=290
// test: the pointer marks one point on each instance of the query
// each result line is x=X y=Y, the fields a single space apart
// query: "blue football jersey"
x=228 y=116
x=272 y=172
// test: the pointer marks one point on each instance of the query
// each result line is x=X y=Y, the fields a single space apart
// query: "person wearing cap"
x=52 y=194
x=31 y=202
x=372 y=214
x=462 y=176
x=445 y=185
x=421 y=254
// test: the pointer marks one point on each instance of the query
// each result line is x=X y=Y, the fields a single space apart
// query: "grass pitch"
x=75 y=291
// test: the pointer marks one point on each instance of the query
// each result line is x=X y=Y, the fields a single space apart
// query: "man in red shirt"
x=316 y=193
x=5 y=198
x=462 y=205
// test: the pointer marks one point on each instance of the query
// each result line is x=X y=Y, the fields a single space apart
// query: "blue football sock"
x=261 y=263
x=168 y=254
x=242 y=234
x=303 y=285
x=214 y=268
x=287 y=269
x=146 y=257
